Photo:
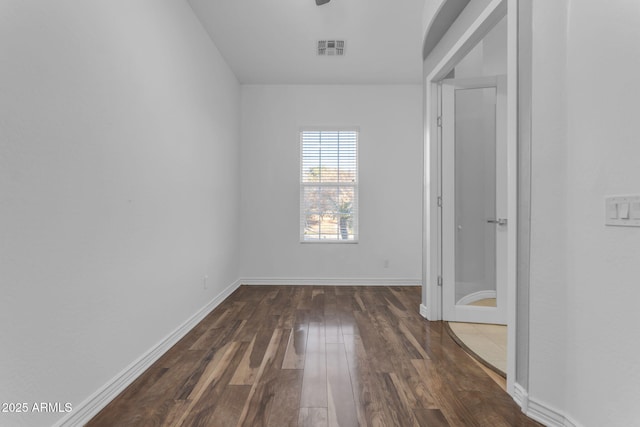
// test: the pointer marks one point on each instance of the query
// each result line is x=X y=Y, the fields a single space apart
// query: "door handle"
x=499 y=221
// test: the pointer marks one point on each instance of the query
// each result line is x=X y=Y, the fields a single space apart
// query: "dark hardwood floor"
x=315 y=356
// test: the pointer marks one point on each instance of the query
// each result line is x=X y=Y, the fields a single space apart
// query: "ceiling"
x=274 y=41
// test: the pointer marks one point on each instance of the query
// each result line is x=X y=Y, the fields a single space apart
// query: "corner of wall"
x=90 y=407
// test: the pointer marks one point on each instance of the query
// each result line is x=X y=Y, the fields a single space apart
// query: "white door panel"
x=474 y=199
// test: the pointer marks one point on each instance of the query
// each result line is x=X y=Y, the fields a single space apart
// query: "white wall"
x=548 y=258
x=119 y=151
x=488 y=58
x=584 y=276
x=603 y=153
x=390 y=175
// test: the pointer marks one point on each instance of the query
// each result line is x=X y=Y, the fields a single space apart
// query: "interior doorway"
x=471 y=187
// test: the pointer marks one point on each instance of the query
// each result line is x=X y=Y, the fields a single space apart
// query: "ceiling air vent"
x=330 y=47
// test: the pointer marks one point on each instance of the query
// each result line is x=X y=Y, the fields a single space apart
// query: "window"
x=329 y=186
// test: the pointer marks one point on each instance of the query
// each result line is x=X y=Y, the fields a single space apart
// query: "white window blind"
x=329 y=186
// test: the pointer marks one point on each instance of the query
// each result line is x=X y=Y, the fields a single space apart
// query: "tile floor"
x=487 y=341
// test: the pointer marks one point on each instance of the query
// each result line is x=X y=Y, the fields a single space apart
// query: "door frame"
x=432 y=304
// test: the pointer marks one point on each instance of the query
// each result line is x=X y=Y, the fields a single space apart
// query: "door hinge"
x=439 y=280
x=439 y=201
x=439 y=121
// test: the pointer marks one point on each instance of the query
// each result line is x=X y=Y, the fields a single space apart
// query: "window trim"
x=356 y=186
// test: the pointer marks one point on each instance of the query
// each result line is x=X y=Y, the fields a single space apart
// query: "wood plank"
x=256 y=408
x=289 y=315
x=286 y=395
x=229 y=407
x=306 y=298
x=216 y=337
x=431 y=418
x=314 y=382
x=454 y=411
x=369 y=408
x=392 y=403
x=409 y=338
x=333 y=328
x=400 y=398
x=201 y=413
x=319 y=356
x=176 y=411
x=340 y=401
x=245 y=374
x=296 y=347
x=313 y=417
x=395 y=337
x=282 y=389
x=316 y=313
x=379 y=359
x=211 y=374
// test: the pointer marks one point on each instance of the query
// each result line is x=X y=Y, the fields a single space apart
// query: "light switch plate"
x=634 y=210
x=622 y=211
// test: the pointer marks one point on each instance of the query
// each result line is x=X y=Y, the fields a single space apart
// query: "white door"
x=474 y=200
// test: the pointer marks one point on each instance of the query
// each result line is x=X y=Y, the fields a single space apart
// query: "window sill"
x=330 y=242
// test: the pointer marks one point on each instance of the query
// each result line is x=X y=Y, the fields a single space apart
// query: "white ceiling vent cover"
x=330 y=47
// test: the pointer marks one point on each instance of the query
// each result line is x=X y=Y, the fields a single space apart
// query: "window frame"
x=355 y=185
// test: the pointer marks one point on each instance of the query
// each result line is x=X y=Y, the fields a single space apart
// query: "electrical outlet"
x=204 y=282
x=386 y=263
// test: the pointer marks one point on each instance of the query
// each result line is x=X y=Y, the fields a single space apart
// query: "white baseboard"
x=521 y=397
x=332 y=281
x=86 y=410
x=541 y=412
x=544 y=414
x=569 y=422
x=424 y=311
